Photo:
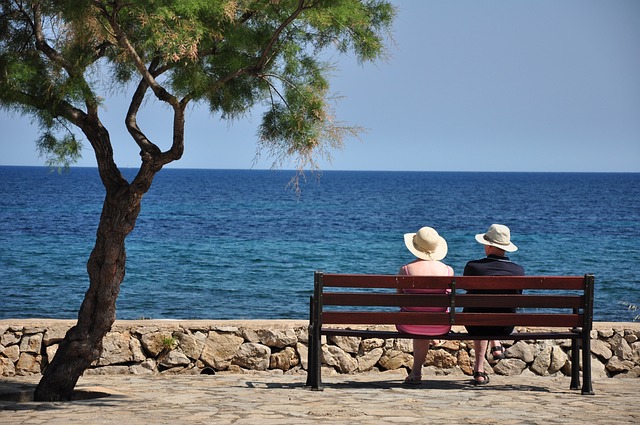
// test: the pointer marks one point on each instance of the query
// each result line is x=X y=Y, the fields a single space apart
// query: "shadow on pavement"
x=453 y=385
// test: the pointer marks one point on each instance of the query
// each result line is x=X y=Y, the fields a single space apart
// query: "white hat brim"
x=439 y=253
x=509 y=248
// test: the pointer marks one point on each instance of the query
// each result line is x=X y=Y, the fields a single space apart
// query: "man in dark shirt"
x=497 y=242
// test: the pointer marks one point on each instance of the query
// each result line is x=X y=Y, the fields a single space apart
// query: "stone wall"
x=172 y=346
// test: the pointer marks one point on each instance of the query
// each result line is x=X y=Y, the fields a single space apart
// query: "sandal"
x=500 y=352
x=413 y=380
x=477 y=381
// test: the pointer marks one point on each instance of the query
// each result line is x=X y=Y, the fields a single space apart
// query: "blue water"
x=231 y=244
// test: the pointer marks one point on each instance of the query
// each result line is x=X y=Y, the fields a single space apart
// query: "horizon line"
x=321 y=170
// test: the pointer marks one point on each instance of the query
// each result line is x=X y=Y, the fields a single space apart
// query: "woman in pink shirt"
x=429 y=248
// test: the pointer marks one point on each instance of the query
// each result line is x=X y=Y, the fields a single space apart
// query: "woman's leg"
x=420 y=349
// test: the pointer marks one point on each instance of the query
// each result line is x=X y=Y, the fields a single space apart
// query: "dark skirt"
x=490 y=330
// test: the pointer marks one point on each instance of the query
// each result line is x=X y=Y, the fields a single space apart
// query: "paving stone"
x=366 y=398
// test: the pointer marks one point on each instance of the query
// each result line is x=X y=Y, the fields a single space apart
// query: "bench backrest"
x=547 y=301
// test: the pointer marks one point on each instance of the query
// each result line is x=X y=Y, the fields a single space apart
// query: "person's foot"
x=480 y=378
x=413 y=379
x=497 y=352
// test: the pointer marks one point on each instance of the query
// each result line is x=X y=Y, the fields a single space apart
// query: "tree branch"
x=160 y=92
x=55 y=57
x=59 y=108
x=264 y=58
x=43 y=46
x=153 y=159
x=146 y=146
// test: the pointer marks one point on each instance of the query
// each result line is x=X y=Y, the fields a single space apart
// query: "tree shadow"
x=19 y=396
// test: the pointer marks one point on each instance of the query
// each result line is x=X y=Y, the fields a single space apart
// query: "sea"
x=244 y=244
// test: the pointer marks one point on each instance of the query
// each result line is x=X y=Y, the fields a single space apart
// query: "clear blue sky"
x=488 y=85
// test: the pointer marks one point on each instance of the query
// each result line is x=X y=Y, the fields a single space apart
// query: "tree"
x=57 y=57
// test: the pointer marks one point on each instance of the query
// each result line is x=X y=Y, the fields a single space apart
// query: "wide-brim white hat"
x=426 y=244
x=499 y=236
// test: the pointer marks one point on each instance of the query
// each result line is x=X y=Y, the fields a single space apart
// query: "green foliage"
x=169 y=343
x=59 y=152
x=229 y=54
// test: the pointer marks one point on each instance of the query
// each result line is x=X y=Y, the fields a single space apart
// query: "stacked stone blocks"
x=167 y=347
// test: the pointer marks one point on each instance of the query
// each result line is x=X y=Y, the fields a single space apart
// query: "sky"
x=510 y=85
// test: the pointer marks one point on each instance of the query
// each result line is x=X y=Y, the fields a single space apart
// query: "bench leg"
x=310 y=363
x=317 y=363
x=314 y=379
x=587 y=389
x=575 y=364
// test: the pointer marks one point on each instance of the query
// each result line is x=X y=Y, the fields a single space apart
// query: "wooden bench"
x=547 y=301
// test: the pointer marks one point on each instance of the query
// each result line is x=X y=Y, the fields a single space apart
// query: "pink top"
x=425 y=268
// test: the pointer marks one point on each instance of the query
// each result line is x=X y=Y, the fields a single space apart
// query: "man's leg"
x=497 y=350
x=479 y=376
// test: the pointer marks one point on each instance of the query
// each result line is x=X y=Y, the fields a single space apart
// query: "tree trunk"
x=82 y=344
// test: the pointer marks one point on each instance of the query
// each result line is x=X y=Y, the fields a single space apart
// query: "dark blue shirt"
x=493 y=265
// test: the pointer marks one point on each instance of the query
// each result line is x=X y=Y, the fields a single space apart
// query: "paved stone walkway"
x=375 y=398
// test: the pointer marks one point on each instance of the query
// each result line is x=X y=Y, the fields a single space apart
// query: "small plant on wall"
x=169 y=343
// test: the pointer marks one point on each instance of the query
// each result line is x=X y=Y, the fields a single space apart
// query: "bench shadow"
x=386 y=384
x=397 y=384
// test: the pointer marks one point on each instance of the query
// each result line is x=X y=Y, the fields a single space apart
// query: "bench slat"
x=384 y=318
x=553 y=320
x=383 y=334
x=388 y=299
x=520 y=301
x=461 y=282
x=443 y=300
x=474 y=319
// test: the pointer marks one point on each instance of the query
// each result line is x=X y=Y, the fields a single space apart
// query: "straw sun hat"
x=499 y=236
x=426 y=244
